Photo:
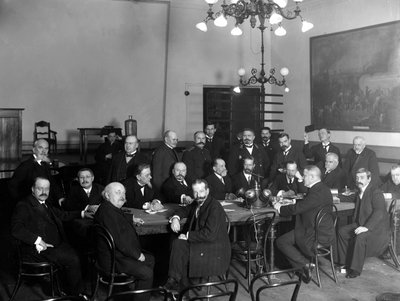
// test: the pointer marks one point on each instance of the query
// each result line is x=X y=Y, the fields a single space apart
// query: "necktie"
x=326 y=147
x=248 y=179
x=142 y=190
x=222 y=180
x=88 y=193
x=183 y=183
x=285 y=153
x=129 y=155
x=197 y=211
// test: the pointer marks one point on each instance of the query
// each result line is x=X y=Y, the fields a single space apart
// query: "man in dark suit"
x=38 y=165
x=244 y=180
x=319 y=151
x=38 y=225
x=333 y=176
x=360 y=157
x=129 y=256
x=126 y=162
x=178 y=188
x=287 y=153
x=219 y=182
x=164 y=158
x=290 y=183
x=392 y=185
x=297 y=245
x=139 y=189
x=104 y=154
x=369 y=233
x=214 y=143
x=249 y=148
x=197 y=158
x=202 y=248
x=270 y=145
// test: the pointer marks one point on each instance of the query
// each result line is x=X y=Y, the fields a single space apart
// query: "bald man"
x=178 y=187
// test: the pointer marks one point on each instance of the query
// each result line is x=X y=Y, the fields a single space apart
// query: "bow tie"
x=129 y=155
x=249 y=146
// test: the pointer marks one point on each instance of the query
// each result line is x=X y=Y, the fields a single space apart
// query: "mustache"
x=43 y=194
x=200 y=143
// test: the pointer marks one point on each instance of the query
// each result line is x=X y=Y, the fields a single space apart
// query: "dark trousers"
x=353 y=249
x=65 y=257
x=287 y=245
x=179 y=260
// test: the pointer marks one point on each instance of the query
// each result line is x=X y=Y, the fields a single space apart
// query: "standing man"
x=197 y=158
x=287 y=153
x=270 y=146
x=319 y=151
x=249 y=148
x=333 y=176
x=369 y=233
x=219 y=181
x=129 y=256
x=202 y=248
x=297 y=245
x=126 y=162
x=164 y=158
x=360 y=157
x=178 y=188
x=214 y=144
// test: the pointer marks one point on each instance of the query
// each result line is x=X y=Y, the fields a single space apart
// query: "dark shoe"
x=352 y=274
x=171 y=284
x=307 y=273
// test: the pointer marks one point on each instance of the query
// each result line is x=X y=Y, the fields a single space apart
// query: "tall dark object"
x=130 y=126
x=10 y=134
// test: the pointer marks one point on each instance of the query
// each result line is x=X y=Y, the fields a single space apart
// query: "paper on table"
x=229 y=210
x=152 y=212
x=224 y=203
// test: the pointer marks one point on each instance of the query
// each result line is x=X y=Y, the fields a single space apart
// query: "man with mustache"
x=270 y=145
x=129 y=256
x=197 y=158
x=369 y=233
x=214 y=143
x=178 y=187
x=202 y=248
x=220 y=182
x=392 y=185
x=244 y=180
x=38 y=225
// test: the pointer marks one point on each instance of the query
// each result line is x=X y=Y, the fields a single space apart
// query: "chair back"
x=326 y=212
x=104 y=249
x=226 y=290
x=133 y=294
x=266 y=283
x=42 y=130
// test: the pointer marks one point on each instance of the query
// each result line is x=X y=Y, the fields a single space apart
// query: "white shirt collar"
x=87 y=190
x=314 y=184
x=287 y=150
x=218 y=176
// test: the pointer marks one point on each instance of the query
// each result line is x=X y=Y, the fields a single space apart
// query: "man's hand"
x=156 y=205
x=305 y=138
x=187 y=200
x=175 y=225
x=141 y=257
x=360 y=230
x=109 y=156
x=60 y=201
x=288 y=193
x=87 y=214
x=43 y=245
x=137 y=221
x=182 y=236
x=230 y=196
x=92 y=208
x=299 y=176
x=278 y=206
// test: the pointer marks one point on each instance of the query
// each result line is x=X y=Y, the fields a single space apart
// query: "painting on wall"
x=355 y=79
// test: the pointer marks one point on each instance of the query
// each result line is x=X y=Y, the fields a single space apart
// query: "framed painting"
x=355 y=79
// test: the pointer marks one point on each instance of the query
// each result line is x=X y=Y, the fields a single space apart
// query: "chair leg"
x=394 y=256
x=317 y=272
x=17 y=285
x=248 y=271
x=52 y=280
x=332 y=265
x=96 y=287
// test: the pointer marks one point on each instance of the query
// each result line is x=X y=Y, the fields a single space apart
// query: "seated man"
x=219 y=181
x=369 y=233
x=333 y=175
x=202 y=248
x=244 y=180
x=288 y=184
x=38 y=225
x=392 y=185
x=297 y=245
x=129 y=257
x=139 y=189
x=177 y=188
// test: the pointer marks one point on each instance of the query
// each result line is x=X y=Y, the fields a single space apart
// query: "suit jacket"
x=390 y=187
x=24 y=175
x=336 y=179
x=210 y=249
x=172 y=190
x=134 y=196
x=281 y=183
x=218 y=190
x=238 y=153
x=163 y=161
x=216 y=147
x=271 y=148
x=280 y=160
x=370 y=212
x=122 y=229
x=103 y=165
x=120 y=170
x=198 y=162
x=31 y=220
x=77 y=198
x=318 y=195
x=353 y=162
x=318 y=152
x=239 y=181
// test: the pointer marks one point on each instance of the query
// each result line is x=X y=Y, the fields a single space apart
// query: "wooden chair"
x=230 y=291
x=255 y=292
x=328 y=211
x=394 y=214
x=43 y=131
x=133 y=294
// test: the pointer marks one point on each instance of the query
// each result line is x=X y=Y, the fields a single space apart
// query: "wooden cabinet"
x=10 y=134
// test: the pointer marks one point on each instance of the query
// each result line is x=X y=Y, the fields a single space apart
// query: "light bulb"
x=306 y=26
x=236 y=89
x=236 y=31
x=241 y=72
x=284 y=71
x=202 y=26
x=275 y=18
x=211 y=1
x=280 y=31
x=287 y=90
x=281 y=3
x=221 y=21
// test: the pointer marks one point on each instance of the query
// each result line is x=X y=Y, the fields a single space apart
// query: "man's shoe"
x=171 y=284
x=352 y=274
x=307 y=273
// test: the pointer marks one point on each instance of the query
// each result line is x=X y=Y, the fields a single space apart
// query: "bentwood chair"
x=252 y=250
x=264 y=278
x=131 y=294
x=107 y=274
x=43 y=131
x=224 y=290
x=326 y=212
x=28 y=269
x=394 y=214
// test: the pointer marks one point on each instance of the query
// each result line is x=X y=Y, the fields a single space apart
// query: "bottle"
x=130 y=126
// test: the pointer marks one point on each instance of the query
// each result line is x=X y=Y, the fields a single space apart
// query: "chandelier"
x=270 y=10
